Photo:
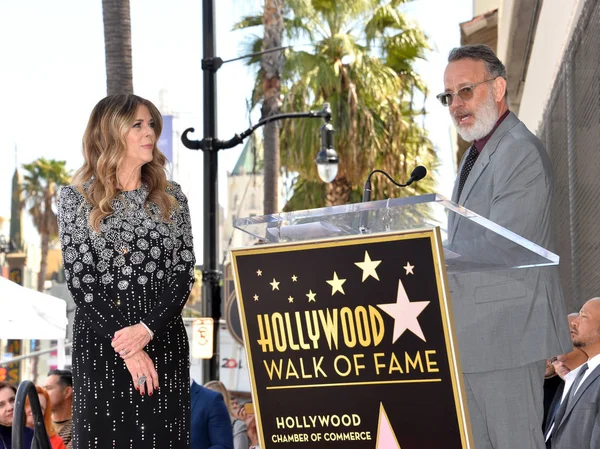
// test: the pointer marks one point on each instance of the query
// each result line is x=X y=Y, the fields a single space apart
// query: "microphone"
x=417 y=174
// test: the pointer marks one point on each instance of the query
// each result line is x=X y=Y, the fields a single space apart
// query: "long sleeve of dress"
x=88 y=292
x=181 y=280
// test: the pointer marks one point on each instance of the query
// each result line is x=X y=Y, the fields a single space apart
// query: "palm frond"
x=360 y=60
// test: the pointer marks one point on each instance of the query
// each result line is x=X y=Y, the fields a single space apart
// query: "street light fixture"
x=213 y=144
x=327 y=159
x=210 y=145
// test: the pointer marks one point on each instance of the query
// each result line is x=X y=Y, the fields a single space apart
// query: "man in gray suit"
x=577 y=424
x=508 y=322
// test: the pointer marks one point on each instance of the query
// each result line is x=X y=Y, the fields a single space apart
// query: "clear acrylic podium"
x=490 y=246
x=382 y=258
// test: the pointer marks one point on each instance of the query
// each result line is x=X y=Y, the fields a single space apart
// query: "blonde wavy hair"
x=218 y=386
x=104 y=150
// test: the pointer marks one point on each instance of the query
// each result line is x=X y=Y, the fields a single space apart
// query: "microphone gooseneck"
x=417 y=174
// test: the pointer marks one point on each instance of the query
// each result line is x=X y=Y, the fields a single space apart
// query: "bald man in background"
x=577 y=420
x=560 y=373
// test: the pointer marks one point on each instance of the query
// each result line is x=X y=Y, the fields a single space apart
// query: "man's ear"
x=499 y=88
x=69 y=392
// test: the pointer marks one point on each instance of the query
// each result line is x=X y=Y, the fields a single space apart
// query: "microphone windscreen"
x=418 y=173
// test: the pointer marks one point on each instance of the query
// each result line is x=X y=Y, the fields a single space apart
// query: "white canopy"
x=29 y=314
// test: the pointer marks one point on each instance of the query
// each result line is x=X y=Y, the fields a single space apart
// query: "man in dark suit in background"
x=577 y=420
x=211 y=425
x=560 y=373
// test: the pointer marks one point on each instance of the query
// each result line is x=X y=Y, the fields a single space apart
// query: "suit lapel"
x=195 y=389
x=584 y=386
x=554 y=405
x=483 y=160
x=481 y=163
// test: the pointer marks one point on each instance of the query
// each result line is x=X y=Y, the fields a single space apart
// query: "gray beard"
x=485 y=120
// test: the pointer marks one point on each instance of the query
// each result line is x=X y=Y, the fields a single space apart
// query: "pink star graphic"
x=386 y=438
x=405 y=314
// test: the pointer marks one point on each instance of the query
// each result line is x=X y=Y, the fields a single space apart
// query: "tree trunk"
x=338 y=191
x=272 y=65
x=117 y=46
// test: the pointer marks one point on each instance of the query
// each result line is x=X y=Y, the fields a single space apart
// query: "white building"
x=245 y=192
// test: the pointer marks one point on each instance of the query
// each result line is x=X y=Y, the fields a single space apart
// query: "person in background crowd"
x=566 y=367
x=7 y=408
x=250 y=421
x=240 y=437
x=59 y=386
x=508 y=322
x=211 y=427
x=55 y=441
x=577 y=421
x=554 y=379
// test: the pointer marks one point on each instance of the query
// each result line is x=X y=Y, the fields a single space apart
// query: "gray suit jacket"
x=580 y=425
x=507 y=319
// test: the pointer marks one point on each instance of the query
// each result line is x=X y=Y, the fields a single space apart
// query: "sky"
x=52 y=73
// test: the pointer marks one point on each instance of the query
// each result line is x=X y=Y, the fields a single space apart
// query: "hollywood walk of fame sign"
x=350 y=343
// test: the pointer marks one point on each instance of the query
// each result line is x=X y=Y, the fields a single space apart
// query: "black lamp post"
x=327 y=163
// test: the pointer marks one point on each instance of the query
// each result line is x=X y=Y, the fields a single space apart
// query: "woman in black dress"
x=127 y=249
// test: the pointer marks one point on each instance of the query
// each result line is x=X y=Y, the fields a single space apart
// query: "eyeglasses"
x=464 y=93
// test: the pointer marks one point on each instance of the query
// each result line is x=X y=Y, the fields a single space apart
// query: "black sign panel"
x=350 y=344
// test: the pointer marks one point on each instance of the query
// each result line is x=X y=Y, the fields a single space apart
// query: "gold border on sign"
x=460 y=399
x=230 y=298
x=443 y=295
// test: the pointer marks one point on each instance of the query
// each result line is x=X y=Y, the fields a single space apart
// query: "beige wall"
x=505 y=15
x=483 y=6
x=555 y=26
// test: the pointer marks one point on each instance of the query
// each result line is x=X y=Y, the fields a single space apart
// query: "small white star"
x=311 y=296
x=255 y=297
x=405 y=314
x=294 y=278
x=368 y=267
x=275 y=285
x=336 y=284
x=290 y=299
x=409 y=268
x=259 y=272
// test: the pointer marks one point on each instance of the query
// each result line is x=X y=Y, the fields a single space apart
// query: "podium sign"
x=350 y=343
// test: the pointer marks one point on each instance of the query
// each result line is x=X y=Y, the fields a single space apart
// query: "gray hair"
x=480 y=52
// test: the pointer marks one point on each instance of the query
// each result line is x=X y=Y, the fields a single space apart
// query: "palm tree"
x=41 y=183
x=117 y=46
x=360 y=61
x=272 y=67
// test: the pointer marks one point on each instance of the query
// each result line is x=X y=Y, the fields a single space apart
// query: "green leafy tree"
x=41 y=182
x=360 y=59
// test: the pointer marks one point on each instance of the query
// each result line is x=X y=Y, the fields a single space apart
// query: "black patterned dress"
x=137 y=268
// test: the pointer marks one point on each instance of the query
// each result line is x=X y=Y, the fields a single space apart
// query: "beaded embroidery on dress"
x=137 y=268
